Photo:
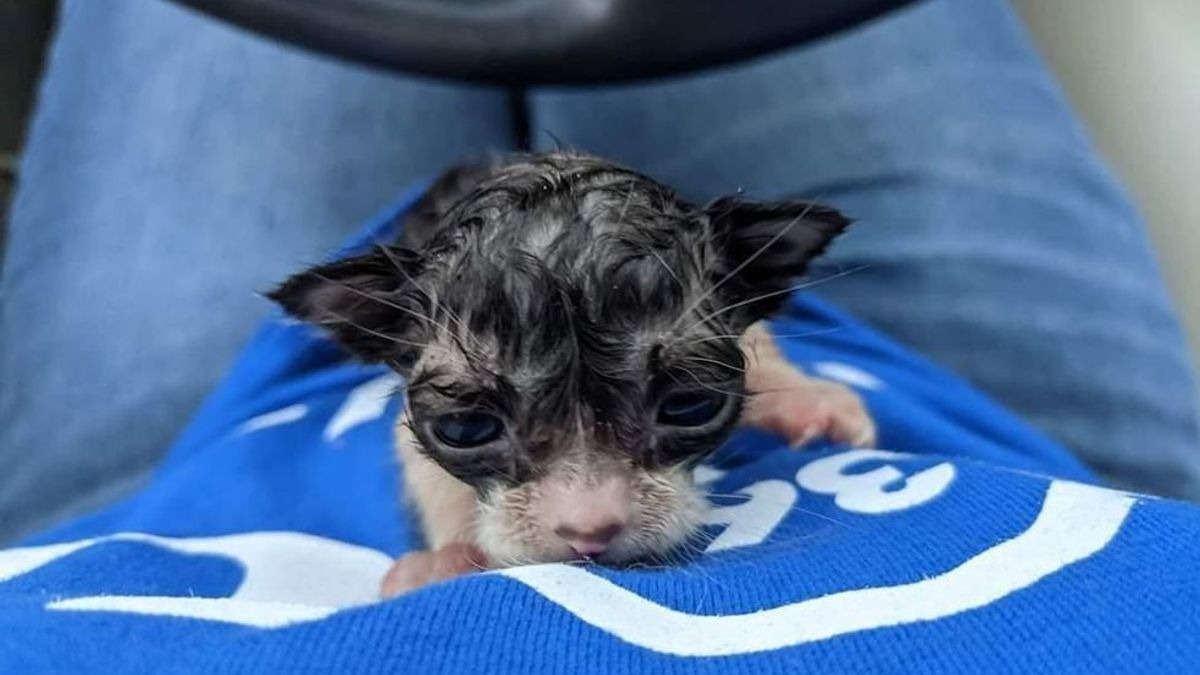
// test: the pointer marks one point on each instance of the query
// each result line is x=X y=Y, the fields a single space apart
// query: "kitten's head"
x=569 y=334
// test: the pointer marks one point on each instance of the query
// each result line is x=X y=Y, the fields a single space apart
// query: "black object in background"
x=521 y=42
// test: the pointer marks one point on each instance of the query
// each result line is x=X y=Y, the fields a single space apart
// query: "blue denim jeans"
x=175 y=166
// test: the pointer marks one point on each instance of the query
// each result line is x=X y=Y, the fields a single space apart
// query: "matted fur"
x=567 y=295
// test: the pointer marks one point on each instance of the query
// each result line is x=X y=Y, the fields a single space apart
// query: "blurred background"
x=1131 y=67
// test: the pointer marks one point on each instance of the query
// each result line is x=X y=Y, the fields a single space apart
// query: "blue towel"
x=968 y=544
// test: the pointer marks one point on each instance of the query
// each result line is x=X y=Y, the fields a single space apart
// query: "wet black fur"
x=574 y=294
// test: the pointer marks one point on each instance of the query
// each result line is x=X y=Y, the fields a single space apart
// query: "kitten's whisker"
x=387 y=253
x=783 y=390
x=783 y=336
x=808 y=284
x=387 y=303
x=457 y=337
x=729 y=456
x=740 y=495
x=666 y=267
x=650 y=249
x=822 y=516
x=370 y=331
x=628 y=199
x=710 y=387
x=715 y=362
x=742 y=265
x=558 y=143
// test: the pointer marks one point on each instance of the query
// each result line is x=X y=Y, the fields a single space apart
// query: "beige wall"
x=1132 y=69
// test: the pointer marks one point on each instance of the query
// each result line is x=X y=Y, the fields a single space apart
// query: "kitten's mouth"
x=679 y=554
x=615 y=518
x=625 y=554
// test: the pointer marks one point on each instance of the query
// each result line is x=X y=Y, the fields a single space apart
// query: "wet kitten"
x=575 y=339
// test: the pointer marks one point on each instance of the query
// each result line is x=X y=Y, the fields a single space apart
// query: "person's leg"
x=174 y=168
x=993 y=239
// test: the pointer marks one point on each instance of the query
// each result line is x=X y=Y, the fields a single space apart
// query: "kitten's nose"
x=591 y=539
x=587 y=515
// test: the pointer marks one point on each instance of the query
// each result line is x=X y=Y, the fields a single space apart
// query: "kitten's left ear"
x=766 y=246
x=364 y=303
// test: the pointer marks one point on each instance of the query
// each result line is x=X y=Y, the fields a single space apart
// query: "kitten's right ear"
x=766 y=246
x=363 y=302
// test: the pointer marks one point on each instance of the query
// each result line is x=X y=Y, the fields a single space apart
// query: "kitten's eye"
x=690 y=408
x=467 y=429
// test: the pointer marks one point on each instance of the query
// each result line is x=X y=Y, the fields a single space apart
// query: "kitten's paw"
x=421 y=568
x=801 y=408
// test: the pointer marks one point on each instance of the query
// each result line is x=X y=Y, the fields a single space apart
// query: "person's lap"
x=989 y=236
x=176 y=167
